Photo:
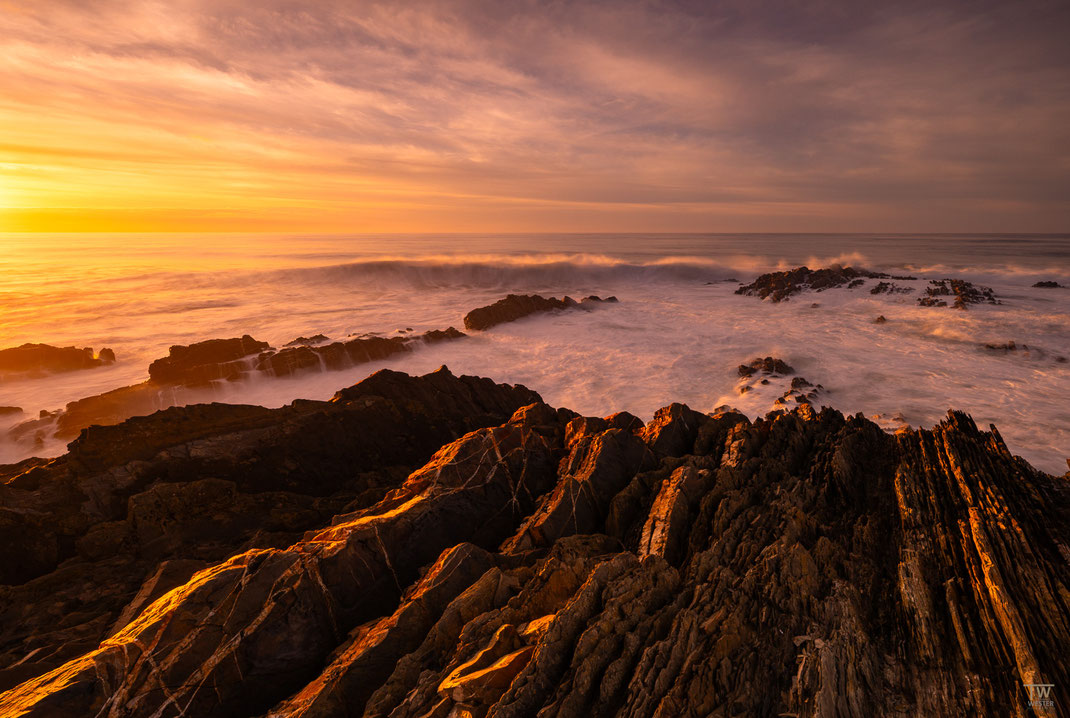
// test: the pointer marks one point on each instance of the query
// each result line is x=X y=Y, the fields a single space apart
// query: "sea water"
x=678 y=333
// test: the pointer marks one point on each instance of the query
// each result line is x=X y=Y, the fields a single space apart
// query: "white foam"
x=673 y=337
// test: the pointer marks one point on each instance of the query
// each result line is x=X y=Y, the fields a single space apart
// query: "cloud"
x=544 y=115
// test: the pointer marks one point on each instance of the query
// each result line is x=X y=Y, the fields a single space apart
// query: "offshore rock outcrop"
x=780 y=286
x=37 y=359
x=518 y=306
x=964 y=293
x=205 y=362
x=550 y=564
x=191 y=372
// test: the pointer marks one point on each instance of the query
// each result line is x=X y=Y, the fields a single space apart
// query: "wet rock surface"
x=958 y=292
x=780 y=286
x=205 y=362
x=1047 y=284
x=765 y=365
x=445 y=546
x=39 y=359
x=517 y=306
x=890 y=288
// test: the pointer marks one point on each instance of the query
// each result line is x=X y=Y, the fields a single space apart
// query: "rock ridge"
x=506 y=558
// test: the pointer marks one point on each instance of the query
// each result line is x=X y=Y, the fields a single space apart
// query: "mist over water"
x=677 y=335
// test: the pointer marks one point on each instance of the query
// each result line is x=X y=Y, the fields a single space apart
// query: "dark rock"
x=35 y=359
x=198 y=365
x=517 y=306
x=10 y=410
x=881 y=319
x=806 y=563
x=965 y=293
x=304 y=341
x=766 y=365
x=890 y=288
x=342 y=355
x=779 y=286
x=1047 y=285
x=673 y=430
x=206 y=361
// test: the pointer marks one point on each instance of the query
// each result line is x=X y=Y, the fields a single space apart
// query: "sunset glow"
x=466 y=116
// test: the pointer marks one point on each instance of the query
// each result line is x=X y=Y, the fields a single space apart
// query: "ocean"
x=678 y=333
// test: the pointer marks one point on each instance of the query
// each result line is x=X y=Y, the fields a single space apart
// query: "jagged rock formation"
x=194 y=485
x=1047 y=284
x=890 y=288
x=964 y=293
x=30 y=359
x=772 y=373
x=517 y=306
x=766 y=365
x=780 y=286
x=542 y=564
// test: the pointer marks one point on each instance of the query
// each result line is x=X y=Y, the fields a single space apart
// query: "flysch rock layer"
x=548 y=564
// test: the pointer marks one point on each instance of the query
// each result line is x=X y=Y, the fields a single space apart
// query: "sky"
x=490 y=116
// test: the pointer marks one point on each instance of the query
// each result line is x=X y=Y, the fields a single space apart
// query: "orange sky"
x=466 y=116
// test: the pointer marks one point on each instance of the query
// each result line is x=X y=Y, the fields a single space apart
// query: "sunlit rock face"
x=446 y=546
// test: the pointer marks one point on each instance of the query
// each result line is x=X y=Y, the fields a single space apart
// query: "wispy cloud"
x=535 y=115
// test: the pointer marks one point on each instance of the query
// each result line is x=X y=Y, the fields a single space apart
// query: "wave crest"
x=513 y=272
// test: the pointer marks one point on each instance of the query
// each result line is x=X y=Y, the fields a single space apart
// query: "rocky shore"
x=447 y=546
x=204 y=365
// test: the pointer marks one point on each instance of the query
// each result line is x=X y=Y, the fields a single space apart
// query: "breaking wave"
x=510 y=272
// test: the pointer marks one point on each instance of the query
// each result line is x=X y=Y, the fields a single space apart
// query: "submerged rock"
x=517 y=306
x=1024 y=350
x=1048 y=284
